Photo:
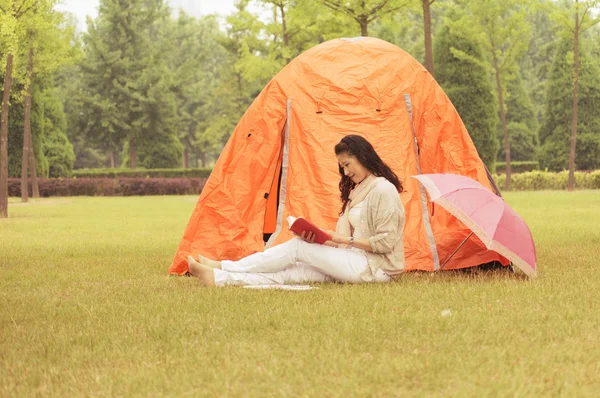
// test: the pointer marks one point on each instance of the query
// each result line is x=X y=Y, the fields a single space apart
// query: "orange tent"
x=280 y=161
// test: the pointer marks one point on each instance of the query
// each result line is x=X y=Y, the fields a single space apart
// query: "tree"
x=68 y=86
x=16 y=128
x=52 y=149
x=27 y=135
x=535 y=64
x=57 y=149
x=197 y=66
x=522 y=122
x=412 y=28
x=576 y=19
x=244 y=71
x=504 y=32
x=404 y=31
x=154 y=106
x=365 y=11
x=118 y=55
x=427 y=33
x=280 y=9
x=555 y=134
x=300 y=24
x=50 y=40
x=463 y=74
x=11 y=12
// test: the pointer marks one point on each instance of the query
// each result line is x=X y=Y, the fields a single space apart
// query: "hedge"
x=517 y=167
x=112 y=186
x=545 y=180
x=141 y=173
x=530 y=181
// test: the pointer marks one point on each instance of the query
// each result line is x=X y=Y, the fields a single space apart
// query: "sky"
x=82 y=8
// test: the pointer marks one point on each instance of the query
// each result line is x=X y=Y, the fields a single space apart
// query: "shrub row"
x=545 y=180
x=530 y=181
x=518 y=167
x=112 y=186
x=141 y=173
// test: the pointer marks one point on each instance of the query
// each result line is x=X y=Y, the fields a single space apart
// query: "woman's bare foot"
x=204 y=273
x=209 y=262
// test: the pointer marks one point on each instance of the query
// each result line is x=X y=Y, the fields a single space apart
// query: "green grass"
x=87 y=308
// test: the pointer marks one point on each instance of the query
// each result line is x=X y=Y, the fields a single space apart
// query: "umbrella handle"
x=454 y=252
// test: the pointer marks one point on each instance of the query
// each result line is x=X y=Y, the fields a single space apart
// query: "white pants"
x=297 y=261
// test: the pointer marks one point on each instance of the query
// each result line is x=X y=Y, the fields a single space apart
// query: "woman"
x=367 y=245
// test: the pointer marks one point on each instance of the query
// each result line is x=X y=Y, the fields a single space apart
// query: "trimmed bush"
x=112 y=186
x=142 y=173
x=518 y=167
x=544 y=180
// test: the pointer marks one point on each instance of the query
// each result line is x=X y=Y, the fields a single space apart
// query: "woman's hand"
x=307 y=236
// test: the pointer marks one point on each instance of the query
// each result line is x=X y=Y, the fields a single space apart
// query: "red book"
x=299 y=225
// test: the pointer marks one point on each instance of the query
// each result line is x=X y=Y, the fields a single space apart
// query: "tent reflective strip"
x=284 y=175
x=428 y=230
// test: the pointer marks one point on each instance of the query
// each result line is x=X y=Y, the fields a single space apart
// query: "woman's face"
x=352 y=167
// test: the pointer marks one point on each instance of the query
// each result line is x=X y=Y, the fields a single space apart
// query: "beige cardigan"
x=382 y=220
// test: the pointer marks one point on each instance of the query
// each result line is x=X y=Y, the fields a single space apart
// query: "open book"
x=299 y=225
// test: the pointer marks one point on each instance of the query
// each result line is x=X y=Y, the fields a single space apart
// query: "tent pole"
x=454 y=252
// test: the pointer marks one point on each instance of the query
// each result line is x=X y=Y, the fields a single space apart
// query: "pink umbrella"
x=498 y=226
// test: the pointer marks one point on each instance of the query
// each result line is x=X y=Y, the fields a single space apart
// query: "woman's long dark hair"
x=363 y=151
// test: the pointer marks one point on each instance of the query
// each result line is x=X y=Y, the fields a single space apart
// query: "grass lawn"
x=87 y=308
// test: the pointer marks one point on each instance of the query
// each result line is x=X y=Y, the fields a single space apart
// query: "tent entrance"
x=273 y=195
x=275 y=210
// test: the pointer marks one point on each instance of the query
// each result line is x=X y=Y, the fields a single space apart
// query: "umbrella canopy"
x=498 y=226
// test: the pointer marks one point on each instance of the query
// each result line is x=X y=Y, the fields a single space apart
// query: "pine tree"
x=154 y=107
x=118 y=72
x=462 y=73
x=555 y=132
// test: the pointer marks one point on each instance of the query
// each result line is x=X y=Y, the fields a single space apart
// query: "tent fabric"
x=337 y=88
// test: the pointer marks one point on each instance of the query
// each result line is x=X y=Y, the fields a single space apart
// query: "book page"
x=290 y=221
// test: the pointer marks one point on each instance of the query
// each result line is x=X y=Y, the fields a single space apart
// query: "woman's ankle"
x=208 y=262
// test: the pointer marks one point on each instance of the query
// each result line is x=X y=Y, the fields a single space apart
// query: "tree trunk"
x=24 y=162
x=428 y=44
x=286 y=38
x=132 y=153
x=4 y=139
x=203 y=157
x=364 y=27
x=27 y=129
x=111 y=155
x=26 y=147
x=571 y=183
x=504 y=126
x=185 y=159
x=35 y=187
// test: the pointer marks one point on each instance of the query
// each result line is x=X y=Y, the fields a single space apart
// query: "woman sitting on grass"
x=366 y=247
